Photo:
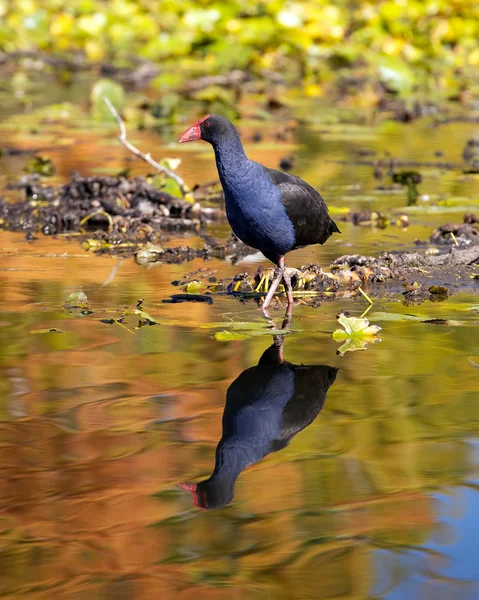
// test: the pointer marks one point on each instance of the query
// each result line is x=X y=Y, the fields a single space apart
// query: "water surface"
x=376 y=498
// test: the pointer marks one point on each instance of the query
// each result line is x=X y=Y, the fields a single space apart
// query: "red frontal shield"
x=193 y=132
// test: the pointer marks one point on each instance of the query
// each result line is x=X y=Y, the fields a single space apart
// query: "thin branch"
x=113 y=273
x=136 y=152
x=365 y=296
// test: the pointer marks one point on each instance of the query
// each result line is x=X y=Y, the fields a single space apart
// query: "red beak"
x=191 y=487
x=193 y=132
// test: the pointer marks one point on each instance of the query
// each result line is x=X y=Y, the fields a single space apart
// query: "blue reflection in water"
x=447 y=565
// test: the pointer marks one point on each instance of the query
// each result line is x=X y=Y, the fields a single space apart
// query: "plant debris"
x=462 y=234
x=373 y=218
x=233 y=249
x=114 y=209
x=432 y=276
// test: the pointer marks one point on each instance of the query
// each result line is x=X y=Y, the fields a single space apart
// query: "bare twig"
x=363 y=293
x=96 y=214
x=145 y=157
x=113 y=273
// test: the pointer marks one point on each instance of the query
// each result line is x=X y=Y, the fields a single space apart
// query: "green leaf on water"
x=40 y=165
x=229 y=336
x=195 y=287
x=357 y=333
x=355 y=327
x=148 y=253
x=383 y=316
x=397 y=317
x=144 y=317
x=353 y=344
x=78 y=298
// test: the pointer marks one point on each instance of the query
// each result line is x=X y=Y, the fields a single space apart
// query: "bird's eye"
x=206 y=124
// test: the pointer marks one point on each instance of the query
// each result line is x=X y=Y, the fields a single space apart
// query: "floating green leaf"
x=148 y=253
x=355 y=327
x=229 y=336
x=195 y=287
x=78 y=299
x=383 y=316
x=357 y=333
x=40 y=165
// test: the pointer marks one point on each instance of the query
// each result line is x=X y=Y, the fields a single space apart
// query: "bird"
x=266 y=406
x=269 y=210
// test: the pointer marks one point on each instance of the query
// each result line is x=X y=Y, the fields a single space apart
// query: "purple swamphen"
x=269 y=210
x=266 y=406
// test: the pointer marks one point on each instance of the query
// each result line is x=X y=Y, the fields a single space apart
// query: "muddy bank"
x=417 y=276
x=233 y=250
x=111 y=210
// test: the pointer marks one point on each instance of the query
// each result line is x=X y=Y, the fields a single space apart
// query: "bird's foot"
x=266 y=313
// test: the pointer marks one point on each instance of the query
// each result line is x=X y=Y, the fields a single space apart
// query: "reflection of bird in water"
x=266 y=406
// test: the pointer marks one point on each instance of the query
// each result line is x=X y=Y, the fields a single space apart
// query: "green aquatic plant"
x=356 y=334
x=40 y=165
x=404 y=46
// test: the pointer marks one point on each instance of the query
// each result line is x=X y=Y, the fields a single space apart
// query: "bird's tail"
x=333 y=228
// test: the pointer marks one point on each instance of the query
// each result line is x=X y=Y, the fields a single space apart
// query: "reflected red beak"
x=191 y=487
x=192 y=133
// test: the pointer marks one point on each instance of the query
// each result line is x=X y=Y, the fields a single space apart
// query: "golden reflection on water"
x=99 y=424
